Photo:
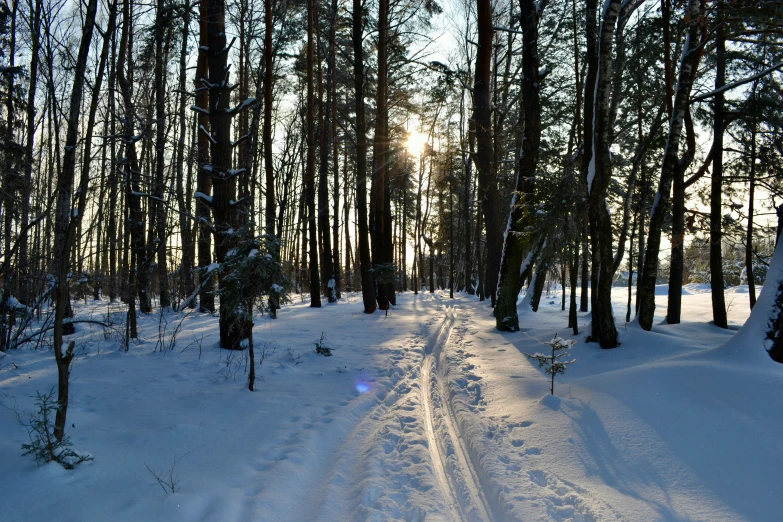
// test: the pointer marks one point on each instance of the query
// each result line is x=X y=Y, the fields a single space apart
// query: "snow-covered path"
x=427 y=414
x=451 y=459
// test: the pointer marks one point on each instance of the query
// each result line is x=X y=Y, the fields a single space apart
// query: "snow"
x=206 y=198
x=14 y=304
x=428 y=413
x=591 y=172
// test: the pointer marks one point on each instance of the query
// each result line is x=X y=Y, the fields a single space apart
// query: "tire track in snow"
x=454 y=466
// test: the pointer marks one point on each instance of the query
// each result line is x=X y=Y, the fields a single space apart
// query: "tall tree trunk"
x=206 y=297
x=346 y=213
x=574 y=274
x=35 y=27
x=368 y=291
x=228 y=226
x=186 y=237
x=10 y=164
x=587 y=156
x=599 y=174
x=269 y=207
x=479 y=255
x=517 y=245
x=466 y=211
x=751 y=209
x=96 y=96
x=380 y=225
x=138 y=276
x=315 y=284
x=327 y=268
x=688 y=65
x=67 y=219
x=160 y=164
x=716 y=183
x=482 y=117
x=335 y=154
x=114 y=235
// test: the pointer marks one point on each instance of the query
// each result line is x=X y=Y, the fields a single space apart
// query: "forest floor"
x=428 y=413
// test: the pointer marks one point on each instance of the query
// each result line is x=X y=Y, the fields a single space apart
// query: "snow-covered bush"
x=552 y=363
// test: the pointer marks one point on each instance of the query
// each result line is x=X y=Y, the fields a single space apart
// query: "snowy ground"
x=427 y=414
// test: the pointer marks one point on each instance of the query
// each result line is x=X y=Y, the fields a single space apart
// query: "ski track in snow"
x=515 y=479
x=451 y=423
x=452 y=461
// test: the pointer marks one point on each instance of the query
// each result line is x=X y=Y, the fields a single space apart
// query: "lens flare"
x=362 y=383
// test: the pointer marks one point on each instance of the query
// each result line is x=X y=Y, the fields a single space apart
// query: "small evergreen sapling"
x=250 y=274
x=552 y=363
x=44 y=446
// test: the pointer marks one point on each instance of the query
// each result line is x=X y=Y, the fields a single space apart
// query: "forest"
x=232 y=158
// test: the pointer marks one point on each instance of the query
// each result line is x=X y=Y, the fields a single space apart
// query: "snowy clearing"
x=427 y=414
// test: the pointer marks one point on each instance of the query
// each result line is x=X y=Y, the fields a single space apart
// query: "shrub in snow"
x=44 y=446
x=321 y=347
x=552 y=363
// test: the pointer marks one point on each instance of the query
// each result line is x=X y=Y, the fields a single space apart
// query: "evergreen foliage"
x=249 y=274
x=552 y=363
x=44 y=446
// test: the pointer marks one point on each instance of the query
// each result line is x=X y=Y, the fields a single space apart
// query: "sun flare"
x=415 y=142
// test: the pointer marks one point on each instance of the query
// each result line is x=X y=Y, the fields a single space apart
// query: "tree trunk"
x=517 y=243
x=716 y=183
x=468 y=166
x=572 y=316
x=229 y=227
x=186 y=237
x=368 y=290
x=539 y=279
x=138 y=280
x=206 y=297
x=112 y=232
x=751 y=196
x=327 y=269
x=482 y=117
x=315 y=284
x=335 y=155
x=599 y=174
x=67 y=219
x=160 y=151
x=380 y=224
x=689 y=63
x=35 y=27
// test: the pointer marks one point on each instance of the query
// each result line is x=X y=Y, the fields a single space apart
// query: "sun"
x=415 y=142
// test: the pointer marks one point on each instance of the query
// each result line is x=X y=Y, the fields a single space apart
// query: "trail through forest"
x=428 y=413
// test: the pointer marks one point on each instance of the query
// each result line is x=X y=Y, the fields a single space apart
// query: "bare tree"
x=67 y=218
